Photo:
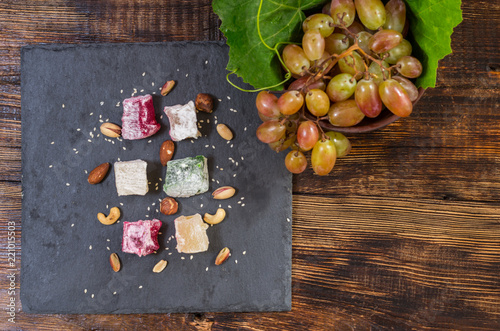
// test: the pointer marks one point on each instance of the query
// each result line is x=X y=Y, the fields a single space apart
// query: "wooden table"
x=404 y=234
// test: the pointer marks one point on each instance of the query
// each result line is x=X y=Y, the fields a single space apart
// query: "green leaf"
x=249 y=57
x=256 y=62
x=431 y=26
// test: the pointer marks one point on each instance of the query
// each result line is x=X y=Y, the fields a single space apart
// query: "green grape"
x=342 y=144
x=354 y=29
x=345 y=113
x=384 y=40
x=395 y=15
x=363 y=39
x=322 y=22
x=313 y=44
x=409 y=66
x=376 y=72
x=341 y=87
x=336 y=43
x=352 y=64
x=367 y=98
x=323 y=157
x=395 y=98
x=403 y=49
x=284 y=143
x=290 y=102
x=300 y=84
x=317 y=102
x=409 y=87
x=295 y=162
x=371 y=13
x=342 y=10
x=270 y=131
x=267 y=104
x=307 y=135
x=295 y=59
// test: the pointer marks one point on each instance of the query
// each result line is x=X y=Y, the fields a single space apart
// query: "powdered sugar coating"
x=183 y=122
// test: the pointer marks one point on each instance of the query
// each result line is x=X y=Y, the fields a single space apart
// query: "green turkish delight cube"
x=186 y=177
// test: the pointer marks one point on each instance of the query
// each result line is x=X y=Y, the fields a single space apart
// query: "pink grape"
x=270 y=131
x=409 y=87
x=384 y=40
x=307 y=135
x=395 y=98
x=367 y=98
x=267 y=104
x=313 y=44
x=395 y=15
x=409 y=66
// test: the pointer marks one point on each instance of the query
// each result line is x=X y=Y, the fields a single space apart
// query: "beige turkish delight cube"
x=131 y=177
x=191 y=234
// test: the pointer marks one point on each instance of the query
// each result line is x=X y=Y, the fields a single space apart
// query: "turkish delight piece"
x=186 y=177
x=182 y=120
x=131 y=177
x=141 y=237
x=191 y=234
x=138 y=120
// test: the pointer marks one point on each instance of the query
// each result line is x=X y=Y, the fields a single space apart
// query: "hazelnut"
x=168 y=206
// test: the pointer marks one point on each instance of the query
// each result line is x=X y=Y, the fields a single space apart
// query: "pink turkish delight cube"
x=138 y=120
x=141 y=237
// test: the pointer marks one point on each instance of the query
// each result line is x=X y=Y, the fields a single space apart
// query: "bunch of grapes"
x=352 y=63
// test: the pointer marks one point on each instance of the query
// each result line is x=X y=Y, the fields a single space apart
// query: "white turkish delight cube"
x=183 y=123
x=131 y=177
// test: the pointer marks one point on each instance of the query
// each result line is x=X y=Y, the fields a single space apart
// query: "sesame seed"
x=86 y=171
x=107 y=248
x=90 y=247
x=228 y=97
x=121 y=91
x=213 y=146
x=108 y=240
x=191 y=257
x=206 y=269
x=229 y=206
x=182 y=257
x=63 y=105
x=78 y=129
x=85 y=291
x=142 y=90
x=121 y=203
x=124 y=148
x=187 y=75
x=245 y=128
x=143 y=74
x=243 y=205
x=72 y=225
x=114 y=293
x=50 y=166
x=235 y=261
x=91 y=114
x=67 y=184
x=206 y=62
x=244 y=252
x=101 y=103
x=140 y=286
x=118 y=104
x=234 y=175
x=52 y=143
x=287 y=219
x=89 y=140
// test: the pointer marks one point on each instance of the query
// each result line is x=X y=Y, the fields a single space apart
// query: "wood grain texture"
x=403 y=235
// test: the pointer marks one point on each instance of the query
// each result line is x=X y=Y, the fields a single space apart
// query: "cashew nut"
x=114 y=215
x=215 y=219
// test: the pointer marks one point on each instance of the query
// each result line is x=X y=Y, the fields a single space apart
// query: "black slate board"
x=66 y=91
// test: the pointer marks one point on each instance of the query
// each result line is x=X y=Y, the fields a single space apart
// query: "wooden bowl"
x=368 y=124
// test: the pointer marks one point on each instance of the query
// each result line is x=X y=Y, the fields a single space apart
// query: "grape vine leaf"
x=431 y=26
x=249 y=57
x=252 y=59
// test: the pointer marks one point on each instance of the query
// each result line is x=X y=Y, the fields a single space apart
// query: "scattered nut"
x=167 y=87
x=222 y=256
x=111 y=130
x=115 y=262
x=224 y=192
x=166 y=151
x=114 y=215
x=215 y=219
x=204 y=102
x=224 y=131
x=160 y=266
x=168 y=206
x=97 y=175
